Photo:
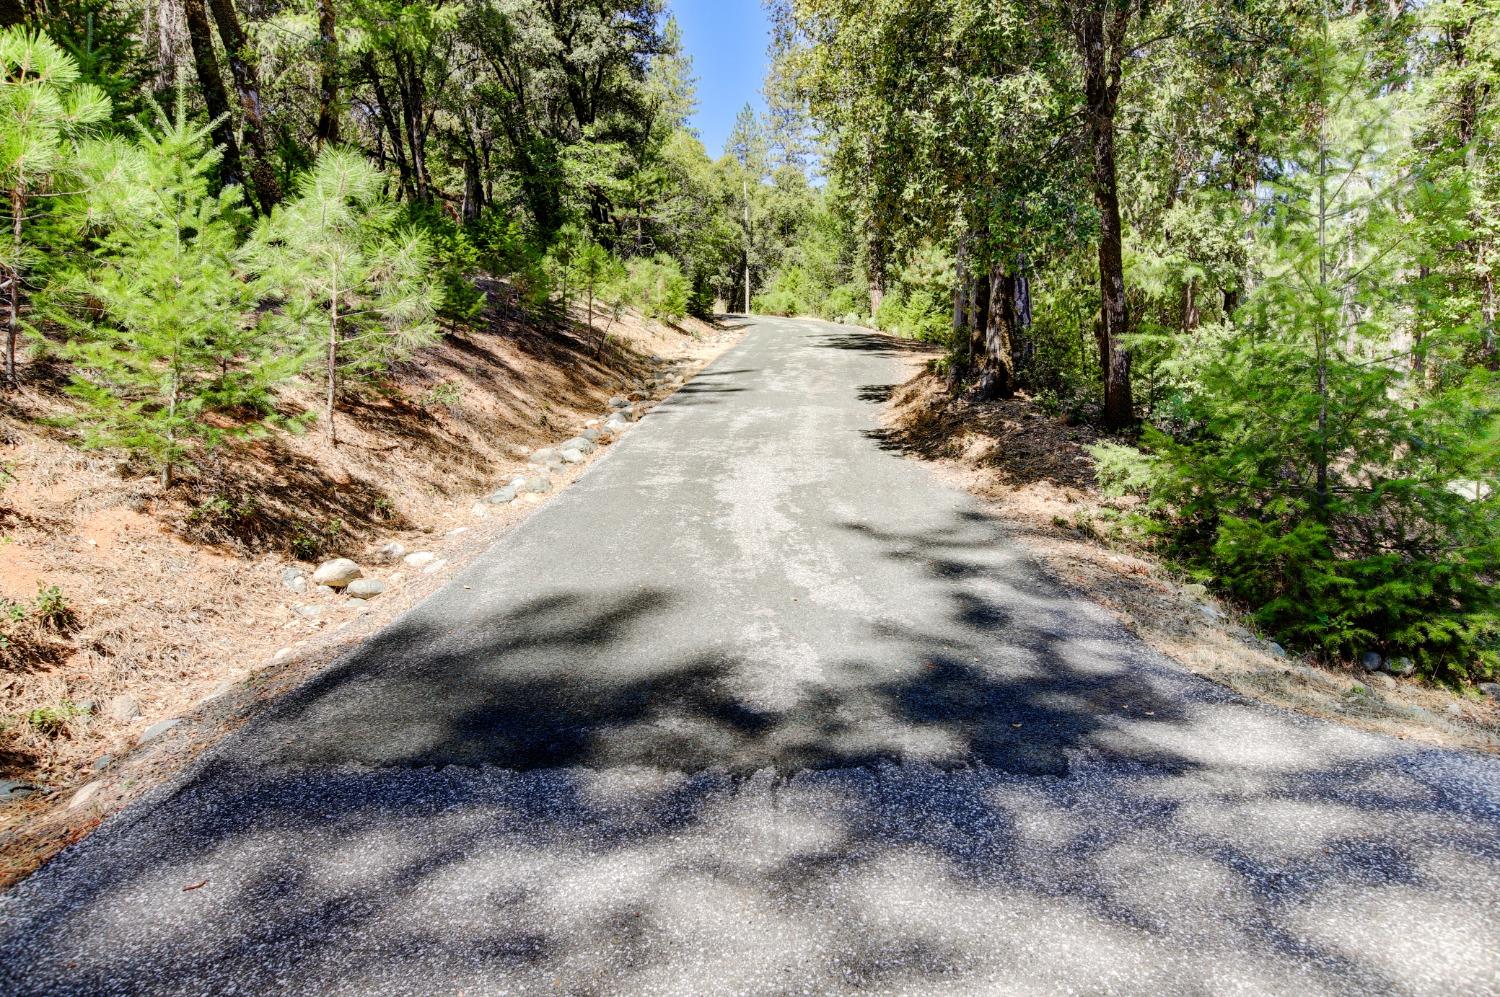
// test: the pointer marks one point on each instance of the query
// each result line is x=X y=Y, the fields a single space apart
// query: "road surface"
x=758 y=706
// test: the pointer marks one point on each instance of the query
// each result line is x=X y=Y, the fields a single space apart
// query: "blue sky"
x=728 y=40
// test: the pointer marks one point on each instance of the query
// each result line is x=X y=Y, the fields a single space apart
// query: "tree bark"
x=242 y=69
x=215 y=98
x=1101 y=29
x=327 y=129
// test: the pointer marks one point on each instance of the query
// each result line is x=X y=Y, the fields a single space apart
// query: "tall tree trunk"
x=388 y=120
x=327 y=130
x=1022 y=345
x=877 y=269
x=242 y=69
x=215 y=98
x=1101 y=41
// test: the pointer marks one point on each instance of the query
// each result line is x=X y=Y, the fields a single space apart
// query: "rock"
x=1490 y=689
x=1208 y=612
x=502 y=496
x=308 y=612
x=581 y=444
x=123 y=709
x=12 y=790
x=419 y=559
x=1384 y=681
x=434 y=567
x=295 y=580
x=591 y=423
x=326 y=590
x=1454 y=710
x=573 y=456
x=1195 y=591
x=1275 y=649
x=591 y=434
x=1370 y=661
x=543 y=455
x=538 y=485
x=336 y=573
x=479 y=510
x=390 y=552
x=365 y=588
x=103 y=762
x=157 y=730
x=1401 y=666
x=86 y=706
x=83 y=795
x=281 y=654
x=619 y=402
x=616 y=426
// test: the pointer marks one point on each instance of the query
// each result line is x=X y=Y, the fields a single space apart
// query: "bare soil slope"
x=174 y=596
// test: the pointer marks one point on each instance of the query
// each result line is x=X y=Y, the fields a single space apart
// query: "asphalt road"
x=758 y=706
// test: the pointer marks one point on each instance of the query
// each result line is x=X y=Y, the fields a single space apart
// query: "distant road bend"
x=758 y=706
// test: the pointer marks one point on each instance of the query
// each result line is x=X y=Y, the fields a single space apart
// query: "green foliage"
x=52 y=609
x=455 y=260
x=347 y=282
x=164 y=340
x=44 y=109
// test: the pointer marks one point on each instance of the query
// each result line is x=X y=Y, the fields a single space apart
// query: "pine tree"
x=43 y=109
x=345 y=282
x=165 y=343
x=1323 y=485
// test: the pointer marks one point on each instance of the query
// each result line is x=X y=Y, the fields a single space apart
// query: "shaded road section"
x=757 y=706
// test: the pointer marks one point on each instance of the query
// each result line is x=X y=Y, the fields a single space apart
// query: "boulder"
x=435 y=567
x=538 y=485
x=616 y=425
x=543 y=455
x=390 y=552
x=1401 y=666
x=1490 y=689
x=1370 y=661
x=12 y=790
x=83 y=795
x=503 y=495
x=579 y=443
x=365 y=588
x=123 y=709
x=572 y=456
x=419 y=559
x=336 y=573
x=308 y=612
x=619 y=402
x=294 y=580
x=1275 y=649
x=157 y=730
x=591 y=434
x=479 y=510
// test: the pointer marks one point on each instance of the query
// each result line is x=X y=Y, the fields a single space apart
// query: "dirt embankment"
x=1035 y=472
x=172 y=601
